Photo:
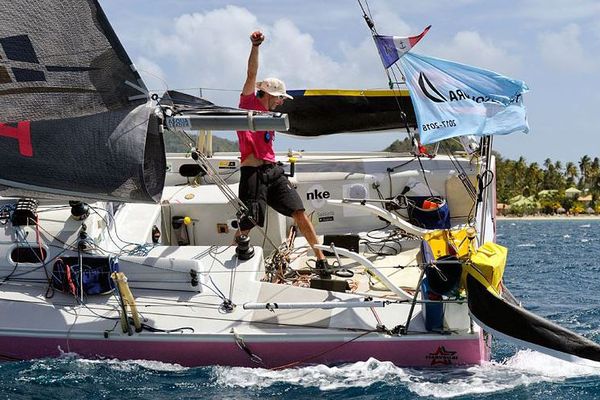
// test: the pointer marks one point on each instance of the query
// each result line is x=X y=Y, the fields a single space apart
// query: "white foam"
x=524 y=368
x=122 y=365
x=550 y=367
x=360 y=374
x=527 y=245
x=132 y=365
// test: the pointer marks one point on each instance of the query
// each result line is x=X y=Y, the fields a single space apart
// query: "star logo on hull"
x=442 y=356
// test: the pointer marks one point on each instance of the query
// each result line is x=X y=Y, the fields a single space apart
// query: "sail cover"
x=319 y=112
x=75 y=119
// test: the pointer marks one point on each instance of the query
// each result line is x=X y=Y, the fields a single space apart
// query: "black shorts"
x=266 y=185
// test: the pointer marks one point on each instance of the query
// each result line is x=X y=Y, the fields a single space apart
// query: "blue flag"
x=452 y=99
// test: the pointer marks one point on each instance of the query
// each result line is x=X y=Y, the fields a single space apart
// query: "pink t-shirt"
x=259 y=143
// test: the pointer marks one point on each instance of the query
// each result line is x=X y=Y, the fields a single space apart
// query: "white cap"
x=273 y=86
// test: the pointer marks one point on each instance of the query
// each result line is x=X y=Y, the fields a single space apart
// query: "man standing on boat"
x=262 y=181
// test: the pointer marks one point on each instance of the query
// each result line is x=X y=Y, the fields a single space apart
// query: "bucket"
x=429 y=212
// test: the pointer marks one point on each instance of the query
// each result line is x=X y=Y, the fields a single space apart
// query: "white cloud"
x=211 y=50
x=152 y=74
x=292 y=56
x=470 y=47
x=388 y=23
x=563 y=51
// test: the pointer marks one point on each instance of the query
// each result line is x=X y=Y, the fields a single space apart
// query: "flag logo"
x=429 y=90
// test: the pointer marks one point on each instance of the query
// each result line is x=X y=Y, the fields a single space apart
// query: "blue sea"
x=553 y=268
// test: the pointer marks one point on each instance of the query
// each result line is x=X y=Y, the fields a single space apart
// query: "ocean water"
x=553 y=268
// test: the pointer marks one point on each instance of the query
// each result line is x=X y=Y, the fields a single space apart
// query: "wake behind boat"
x=107 y=256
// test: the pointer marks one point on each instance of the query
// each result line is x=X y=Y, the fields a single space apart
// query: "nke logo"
x=318 y=195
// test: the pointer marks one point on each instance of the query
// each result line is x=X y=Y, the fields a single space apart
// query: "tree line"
x=548 y=184
x=543 y=186
x=529 y=188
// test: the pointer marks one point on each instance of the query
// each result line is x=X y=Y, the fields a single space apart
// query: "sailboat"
x=112 y=249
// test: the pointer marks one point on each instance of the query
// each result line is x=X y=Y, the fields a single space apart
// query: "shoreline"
x=579 y=217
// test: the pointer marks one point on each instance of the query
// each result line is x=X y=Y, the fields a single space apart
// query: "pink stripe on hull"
x=404 y=353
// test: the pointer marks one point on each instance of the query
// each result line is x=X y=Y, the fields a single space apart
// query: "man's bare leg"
x=308 y=230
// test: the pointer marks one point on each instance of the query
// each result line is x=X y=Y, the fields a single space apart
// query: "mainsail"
x=76 y=119
x=318 y=112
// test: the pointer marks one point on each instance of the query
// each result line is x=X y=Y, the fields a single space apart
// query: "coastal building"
x=572 y=192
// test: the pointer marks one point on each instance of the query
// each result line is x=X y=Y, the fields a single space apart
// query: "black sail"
x=317 y=112
x=75 y=118
x=514 y=323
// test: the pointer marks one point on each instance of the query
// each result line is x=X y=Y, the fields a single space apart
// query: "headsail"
x=75 y=119
x=515 y=324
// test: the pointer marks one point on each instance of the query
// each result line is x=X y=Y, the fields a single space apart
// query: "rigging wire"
x=322 y=353
x=109 y=229
x=232 y=198
x=462 y=175
x=416 y=147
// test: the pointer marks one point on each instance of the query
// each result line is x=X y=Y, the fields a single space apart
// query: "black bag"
x=444 y=275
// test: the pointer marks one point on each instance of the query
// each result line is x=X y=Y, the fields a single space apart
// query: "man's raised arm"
x=249 y=86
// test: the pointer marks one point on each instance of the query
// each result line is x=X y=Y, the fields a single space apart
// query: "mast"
x=393 y=84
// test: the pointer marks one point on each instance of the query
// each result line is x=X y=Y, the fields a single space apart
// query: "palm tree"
x=558 y=165
x=520 y=168
x=584 y=167
x=594 y=174
x=571 y=170
x=571 y=173
x=534 y=177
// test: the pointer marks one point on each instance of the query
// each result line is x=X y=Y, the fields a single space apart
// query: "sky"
x=552 y=45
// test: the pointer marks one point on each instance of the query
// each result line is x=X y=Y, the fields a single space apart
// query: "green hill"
x=179 y=143
x=402 y=146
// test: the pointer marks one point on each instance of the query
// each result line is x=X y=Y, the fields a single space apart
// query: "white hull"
x=183 y=291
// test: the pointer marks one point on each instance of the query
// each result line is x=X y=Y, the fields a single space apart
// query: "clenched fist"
x=257 y=38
